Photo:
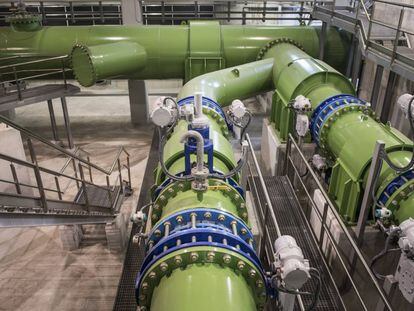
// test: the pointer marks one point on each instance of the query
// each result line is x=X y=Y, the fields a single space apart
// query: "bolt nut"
x=194 y=256
x=181 y=186
x=210 y=256
x=243 y=231
x=226 y=259
x=241 y=265
x=242 y=205
x=207 y=215
x=144 y=286
x=221 y=217
x=162 y=198
x=164 y=266
x=156 y=207
x=154 y=217
x=171 y=190
x=152 y=275
x=179 y=219
x=252 y=273
x=142 y=297
x=178 y=260
x=259 y=283
x=244 y=215
x=157 y=233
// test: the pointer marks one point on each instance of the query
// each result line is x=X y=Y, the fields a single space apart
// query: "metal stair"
x=65 y=196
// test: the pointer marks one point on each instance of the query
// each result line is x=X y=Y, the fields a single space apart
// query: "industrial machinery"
x=200 y=249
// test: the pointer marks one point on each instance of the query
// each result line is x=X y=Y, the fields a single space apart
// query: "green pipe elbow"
x=93 y=63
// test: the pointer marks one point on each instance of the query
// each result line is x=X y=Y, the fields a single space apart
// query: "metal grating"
x=125 y=297
x=292 y=222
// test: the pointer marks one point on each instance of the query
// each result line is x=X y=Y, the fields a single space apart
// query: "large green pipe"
x=172 y=51
x=347 y=138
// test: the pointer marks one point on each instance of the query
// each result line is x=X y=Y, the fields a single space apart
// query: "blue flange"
x=394 y=185
x=185 y=219
x=329 y=106
x=149 y=262
x=207 y=102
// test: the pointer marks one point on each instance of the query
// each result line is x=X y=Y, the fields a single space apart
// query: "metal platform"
x=36 y=94
x=292 y=222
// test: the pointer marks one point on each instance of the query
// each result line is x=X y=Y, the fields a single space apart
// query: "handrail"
x=45 y=170
x=34 y=61
x=332 y=209
x=63 y=150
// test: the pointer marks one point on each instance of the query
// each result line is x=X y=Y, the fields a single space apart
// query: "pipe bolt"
x=210 y=256
x=144 y=287
x=157 y=233
x=164 y=267
x=252 y=273
x=194 y=256
x=241 y=265
x=178 y=260
x=227 y=259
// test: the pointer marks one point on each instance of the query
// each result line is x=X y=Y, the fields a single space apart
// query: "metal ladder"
x=81 y=192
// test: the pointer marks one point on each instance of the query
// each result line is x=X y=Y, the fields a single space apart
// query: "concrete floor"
x=35 y=272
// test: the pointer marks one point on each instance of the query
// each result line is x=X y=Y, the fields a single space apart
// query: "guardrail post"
x=76 y=172
x=129 y=172
x=120 y=176
x=53 y=120
x=85 y=191
x=370 y=18
x=19 y=91
x=287 y=155
x=67 y=122
x=90 y=169
x=15 y=178
x=367 y=200
x=109 y=189
x=58 y=188
x=38 y=175
x=397 y=35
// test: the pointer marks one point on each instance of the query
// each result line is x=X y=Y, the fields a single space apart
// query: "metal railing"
x=9 y=74
x=266 y=215
x=79 y=161
x=347 y=263
x=365 y=21
x=164 y=12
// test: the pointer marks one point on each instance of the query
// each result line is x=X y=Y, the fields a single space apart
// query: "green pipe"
x=106 y=61
x=172 y=51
